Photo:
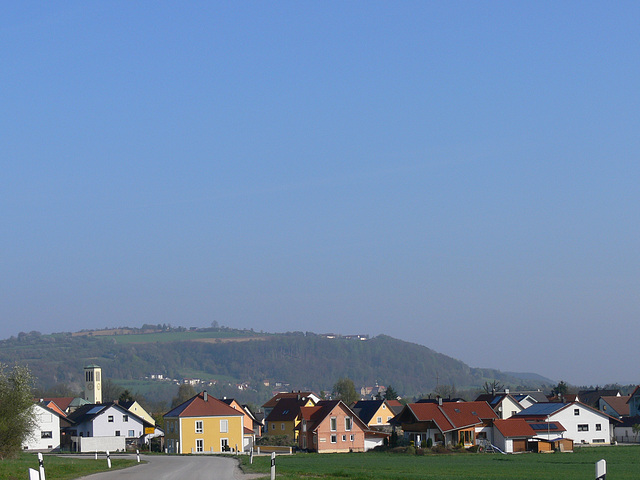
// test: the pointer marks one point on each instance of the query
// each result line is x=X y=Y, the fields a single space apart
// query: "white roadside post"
x=138 y=455
x=273 y=465
x=96 y=454
x=251 y=456
x=41 y=464
x=108 y=459
x=601 y=469
x=33 y=474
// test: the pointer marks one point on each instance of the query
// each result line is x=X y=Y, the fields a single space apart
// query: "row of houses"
x=510 y=422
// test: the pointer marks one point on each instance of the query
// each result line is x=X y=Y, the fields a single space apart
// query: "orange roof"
x=199 y=407
x=514 y=427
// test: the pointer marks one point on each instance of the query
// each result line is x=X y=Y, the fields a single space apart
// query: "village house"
x=582 y=423
x=446 y=423
x=516 y=435
x=204 y=424
x=331 y=427
x=101 y=427
x=46 y=432
x=284 y=417
x=375 y=414
x=503 y=404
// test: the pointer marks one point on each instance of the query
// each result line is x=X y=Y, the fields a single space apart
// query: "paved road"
x=159 y=467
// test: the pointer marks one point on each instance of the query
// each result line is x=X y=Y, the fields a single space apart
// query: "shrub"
x=411 y=450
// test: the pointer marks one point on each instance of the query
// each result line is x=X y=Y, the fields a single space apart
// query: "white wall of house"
x=508 y=408
x=626 y=435
x=46 y=434
x=115 y=422
x=583 y=425
x=503 y=443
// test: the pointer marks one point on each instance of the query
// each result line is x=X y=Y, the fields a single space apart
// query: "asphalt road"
x=177 y=467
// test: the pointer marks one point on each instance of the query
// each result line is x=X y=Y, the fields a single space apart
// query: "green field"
x=58 y=467
x=623 y=463
x=165 y=337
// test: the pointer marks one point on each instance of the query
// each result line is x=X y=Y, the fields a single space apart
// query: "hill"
x=244 y=359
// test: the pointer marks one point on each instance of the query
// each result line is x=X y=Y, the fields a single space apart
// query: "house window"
x=46 y=434
x=224 y=444
x=379 y=419
x=304 y=425
x=132 y=433
x=199 y=445
x=598 y=427
x=199 y=426
x=583 y=427
x=347 y=424
x=125 y=418
x=351 y=438
x=110 y=419
x=224 y=426
x=334 y=424
x=282 y=426
x=576 y=411
x=117 y=433
x=334 y=438
x=273 y=426
x=344 y=438
x=389 y=419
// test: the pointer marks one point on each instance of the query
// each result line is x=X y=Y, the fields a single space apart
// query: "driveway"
x=178 y=467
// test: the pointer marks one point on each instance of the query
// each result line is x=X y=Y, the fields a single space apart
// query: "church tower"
x=93 y=384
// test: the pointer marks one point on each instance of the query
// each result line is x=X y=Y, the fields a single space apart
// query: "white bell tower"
x=93 y=384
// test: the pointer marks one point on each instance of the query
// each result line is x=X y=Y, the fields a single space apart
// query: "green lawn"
x=623 y=463
x=58 y=468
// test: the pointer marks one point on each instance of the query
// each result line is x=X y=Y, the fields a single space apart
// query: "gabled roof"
x=514 y=427
x=366 y=409
x=448 y=416
x=591 y=397
x=203 y=405
x=276 y=398
x=633 y=394
x=87 y=413
x=287 y=409
x=543 y=410
x=65 y=402
x=314 y=416
x=50 y=404
x=619 y=404
x=395 y=406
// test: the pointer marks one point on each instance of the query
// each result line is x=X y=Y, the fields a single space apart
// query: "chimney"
x=506 y=390
x=440 y=401
x=205 y=395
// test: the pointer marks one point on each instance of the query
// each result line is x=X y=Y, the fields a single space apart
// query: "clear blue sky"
x=463 y=175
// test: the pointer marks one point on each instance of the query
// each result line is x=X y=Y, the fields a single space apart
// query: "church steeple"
x=93 y=384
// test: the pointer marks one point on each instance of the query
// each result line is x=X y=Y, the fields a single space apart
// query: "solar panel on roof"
x=95 y=410
x=544 y=426
x=542 y=409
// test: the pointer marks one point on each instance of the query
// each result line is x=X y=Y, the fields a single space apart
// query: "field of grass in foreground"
x=58 y=468
x=623 y=463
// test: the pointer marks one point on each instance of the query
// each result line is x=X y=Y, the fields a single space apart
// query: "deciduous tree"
x=17 y=415
x=345 y=390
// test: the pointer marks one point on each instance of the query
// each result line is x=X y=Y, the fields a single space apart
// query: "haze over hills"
x=254 y=362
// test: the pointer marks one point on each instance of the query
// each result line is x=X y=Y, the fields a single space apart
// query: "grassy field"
x=164 y=337
x=623 y=463
x=58 y=468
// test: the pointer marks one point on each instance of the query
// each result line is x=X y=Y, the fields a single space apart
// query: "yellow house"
x=204 y=424
x=285 y=416
x=375 y=413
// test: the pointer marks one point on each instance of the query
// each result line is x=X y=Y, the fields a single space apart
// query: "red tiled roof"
x=514 y=427
x=198 y=407
x=61 y=402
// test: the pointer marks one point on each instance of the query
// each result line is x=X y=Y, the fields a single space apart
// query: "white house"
x=109 y=426
x=45 y=435
x=582 y=423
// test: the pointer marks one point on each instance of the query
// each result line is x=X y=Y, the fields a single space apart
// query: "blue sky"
x=463 y=175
